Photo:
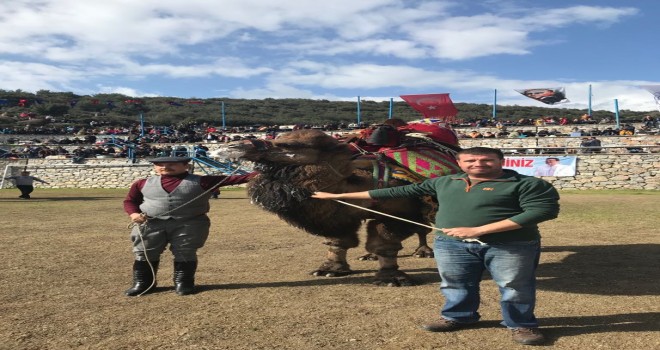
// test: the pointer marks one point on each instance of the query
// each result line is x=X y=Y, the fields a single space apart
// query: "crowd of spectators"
x=504 y=132
x=107 y=150
x=101 y=139
x=541 y=121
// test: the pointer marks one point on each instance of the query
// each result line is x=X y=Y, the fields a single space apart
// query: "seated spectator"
x=575 y=133
x=591 y=145
x=554 y=132
x=542 y=133
x=628 y=129
x=201 y=150
x=648 y=121
x=609 y=132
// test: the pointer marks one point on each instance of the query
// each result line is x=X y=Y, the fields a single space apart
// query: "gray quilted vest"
x=158 y=202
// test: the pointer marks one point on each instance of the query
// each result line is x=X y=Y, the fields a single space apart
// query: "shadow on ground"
x=630 y=269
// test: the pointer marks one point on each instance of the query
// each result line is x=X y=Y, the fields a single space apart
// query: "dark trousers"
x=25 y=190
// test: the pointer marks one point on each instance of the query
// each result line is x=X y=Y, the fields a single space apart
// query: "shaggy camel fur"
x=298 y=163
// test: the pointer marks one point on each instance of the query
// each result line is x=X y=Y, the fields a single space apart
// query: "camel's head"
x=300 y=147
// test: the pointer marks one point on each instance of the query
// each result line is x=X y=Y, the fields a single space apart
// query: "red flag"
x=432 y=105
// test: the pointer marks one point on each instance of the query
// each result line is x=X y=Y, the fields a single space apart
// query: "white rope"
x=146 y=257
x=406 y=220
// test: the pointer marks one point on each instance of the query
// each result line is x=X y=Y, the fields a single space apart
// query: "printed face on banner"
x=548 y=96
x=542 y=166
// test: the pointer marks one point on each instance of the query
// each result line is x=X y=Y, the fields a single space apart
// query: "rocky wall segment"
x=594 y=171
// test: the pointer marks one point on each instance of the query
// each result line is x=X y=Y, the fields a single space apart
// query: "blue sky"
x=335 y=50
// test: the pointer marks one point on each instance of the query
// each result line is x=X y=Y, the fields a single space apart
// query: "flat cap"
x=170 y=160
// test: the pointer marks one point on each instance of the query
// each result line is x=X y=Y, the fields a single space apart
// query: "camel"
x=298 y=163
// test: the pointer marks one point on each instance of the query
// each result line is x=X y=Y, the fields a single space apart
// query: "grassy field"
x=66 y=261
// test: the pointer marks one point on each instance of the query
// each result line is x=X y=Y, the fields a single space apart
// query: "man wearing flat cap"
x=170 y=208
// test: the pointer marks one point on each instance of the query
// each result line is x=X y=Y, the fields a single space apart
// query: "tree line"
x=117 y=109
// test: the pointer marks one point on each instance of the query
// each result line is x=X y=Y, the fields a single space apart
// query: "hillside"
x=69 y=108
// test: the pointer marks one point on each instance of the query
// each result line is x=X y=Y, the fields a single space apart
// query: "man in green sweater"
x=487 y=219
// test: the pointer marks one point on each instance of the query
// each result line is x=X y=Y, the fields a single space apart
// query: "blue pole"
x=358 y=111
x=223 y=115
x=141 y=124
x=616 y=112
x=495 y=104
x=389 y=116
x=589 y=100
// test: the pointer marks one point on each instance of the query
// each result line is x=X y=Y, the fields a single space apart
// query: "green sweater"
x=525 y=200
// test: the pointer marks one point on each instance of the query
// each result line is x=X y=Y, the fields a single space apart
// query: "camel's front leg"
x=386 y=245
x=389 y=274
x=335 y=264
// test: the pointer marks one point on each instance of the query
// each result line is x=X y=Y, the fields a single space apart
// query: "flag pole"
x=222 y=109
x=589 y=114
x=495 y=104
x=141 y=125
x=389 y=116
x=358 y=111
x=616 y=112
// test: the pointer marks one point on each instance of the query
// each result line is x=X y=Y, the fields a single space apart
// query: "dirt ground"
x=66 y=261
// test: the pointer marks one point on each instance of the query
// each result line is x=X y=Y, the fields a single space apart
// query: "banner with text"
x=542 y=166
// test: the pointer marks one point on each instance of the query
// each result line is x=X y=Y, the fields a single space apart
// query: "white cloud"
x=125 y=91
x=301 y=48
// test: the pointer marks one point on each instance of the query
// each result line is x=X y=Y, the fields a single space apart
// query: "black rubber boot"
x=184 y=277
x=142 y=278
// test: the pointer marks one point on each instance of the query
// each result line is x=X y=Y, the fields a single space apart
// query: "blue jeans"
x=512 y=266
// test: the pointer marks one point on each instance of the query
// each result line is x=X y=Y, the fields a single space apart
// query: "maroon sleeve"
x=210 y=181
x=134 y=197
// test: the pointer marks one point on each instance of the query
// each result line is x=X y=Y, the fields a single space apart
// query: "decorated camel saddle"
x=411 y=152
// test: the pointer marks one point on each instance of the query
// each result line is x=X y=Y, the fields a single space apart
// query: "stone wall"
x=612 y=171
x=531 y=142
x=95 y=173
x=594 y=171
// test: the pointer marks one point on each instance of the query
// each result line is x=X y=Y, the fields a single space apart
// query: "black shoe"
x=144 y=281
x=184 y=277
x=528 y=336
